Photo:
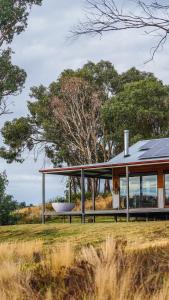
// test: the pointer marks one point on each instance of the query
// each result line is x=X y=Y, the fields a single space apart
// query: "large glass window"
x=166 y=189
x=142 y=191
x=134 y=192
x=149 y=191
x=123 y=192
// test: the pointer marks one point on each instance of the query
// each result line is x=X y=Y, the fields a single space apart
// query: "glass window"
x=166 y=189
x=142 y=191
x=123 y=192
x=134 y=192
x=149 y=191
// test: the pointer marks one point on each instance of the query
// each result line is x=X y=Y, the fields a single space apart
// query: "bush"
x=7 y=204
x=58 y=199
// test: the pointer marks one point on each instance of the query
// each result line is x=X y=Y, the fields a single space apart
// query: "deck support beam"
x=70 y=196
x=127 y=194
x=43 y=198
x=83 y=195
x=93 y=197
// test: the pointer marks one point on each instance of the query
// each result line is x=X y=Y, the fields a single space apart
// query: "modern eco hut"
x=140 y=179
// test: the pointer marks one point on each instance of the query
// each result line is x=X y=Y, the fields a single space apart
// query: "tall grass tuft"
x=113 y=270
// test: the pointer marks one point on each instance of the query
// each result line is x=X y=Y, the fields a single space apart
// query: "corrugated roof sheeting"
x=104 y=170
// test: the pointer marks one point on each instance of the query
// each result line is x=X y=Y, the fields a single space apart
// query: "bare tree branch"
x=78 y=111
x=106 y=16
x=4 y=108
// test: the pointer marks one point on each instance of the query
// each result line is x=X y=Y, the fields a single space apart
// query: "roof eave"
x=103 y=166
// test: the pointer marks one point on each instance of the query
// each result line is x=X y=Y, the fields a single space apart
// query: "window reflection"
x=149 y=191
x=166 y=189
x=142 y=191
x=134 y=192
x=123 y=192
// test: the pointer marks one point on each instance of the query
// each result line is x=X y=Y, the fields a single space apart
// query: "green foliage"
x=21 y=205
x=12 y=79
x=134 y=75
x=7 y=204
x=13 y=17
x=44 y=128
x=76 y=197
x=13 y=20
x=135 y=100
x=142 y=107
x=58 y=199
x=103 y=75
x=17 y=132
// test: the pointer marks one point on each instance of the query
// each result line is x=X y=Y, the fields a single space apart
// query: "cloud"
x=44 y=52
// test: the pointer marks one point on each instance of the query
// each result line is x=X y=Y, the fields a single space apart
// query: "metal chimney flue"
x=126 y=143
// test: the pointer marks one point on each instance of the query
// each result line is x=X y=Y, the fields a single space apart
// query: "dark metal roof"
x=104 y=170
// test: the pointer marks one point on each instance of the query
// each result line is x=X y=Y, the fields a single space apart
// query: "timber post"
x=83 y=195
x=127 y=194
x=70 y=197
x=43 y=198
x=93 y=198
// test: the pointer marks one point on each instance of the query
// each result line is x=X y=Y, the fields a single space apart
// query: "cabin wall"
x=160 y=170
x=161 y=187
x=116 y=192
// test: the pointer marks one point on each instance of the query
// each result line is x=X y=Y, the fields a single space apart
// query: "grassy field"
x=136 y=233
x=99 y=261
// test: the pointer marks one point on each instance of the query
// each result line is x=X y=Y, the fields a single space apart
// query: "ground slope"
x=137 y=233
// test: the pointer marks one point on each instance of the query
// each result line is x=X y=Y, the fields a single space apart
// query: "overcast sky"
x=44 y=51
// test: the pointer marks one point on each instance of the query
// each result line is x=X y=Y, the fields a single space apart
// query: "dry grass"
x=29 y=214
x=137 y=233
x=113 y=271
x=33 y=214
x=101 y=203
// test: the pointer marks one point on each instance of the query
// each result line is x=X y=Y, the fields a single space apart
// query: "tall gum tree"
x=13 y=20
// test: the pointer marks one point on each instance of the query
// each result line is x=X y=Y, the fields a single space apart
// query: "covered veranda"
x=105 y=171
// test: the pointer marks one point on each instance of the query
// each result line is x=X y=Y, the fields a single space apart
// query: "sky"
x=44 y=51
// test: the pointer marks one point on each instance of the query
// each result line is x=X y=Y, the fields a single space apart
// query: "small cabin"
x=140 y=180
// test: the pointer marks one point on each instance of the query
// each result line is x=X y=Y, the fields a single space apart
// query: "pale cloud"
x=44 y=51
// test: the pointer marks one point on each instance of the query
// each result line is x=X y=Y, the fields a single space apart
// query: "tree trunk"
x=106 y=186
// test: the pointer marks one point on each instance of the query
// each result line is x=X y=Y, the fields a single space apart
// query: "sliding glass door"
x=142 y=191
x=149 y=191
x=166 y=190
x=134 y=192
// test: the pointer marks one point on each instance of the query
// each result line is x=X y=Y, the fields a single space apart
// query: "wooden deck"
x=114 y=212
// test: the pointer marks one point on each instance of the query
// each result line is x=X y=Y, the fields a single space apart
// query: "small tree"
x=7 y=204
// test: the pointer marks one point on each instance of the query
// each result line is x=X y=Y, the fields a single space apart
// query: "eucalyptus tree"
x=13 y=20
x=80 y=117
x=65 y=118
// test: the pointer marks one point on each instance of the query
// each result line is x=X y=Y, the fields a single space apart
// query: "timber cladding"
x=160 y=170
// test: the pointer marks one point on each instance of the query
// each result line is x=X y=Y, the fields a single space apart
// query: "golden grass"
x=78 y=235
x=29 y=214
x=33 y=214
x=101 y=203
x=113 y=270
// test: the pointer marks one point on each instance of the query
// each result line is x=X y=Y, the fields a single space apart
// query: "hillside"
x=90 y=261
x=137 y=233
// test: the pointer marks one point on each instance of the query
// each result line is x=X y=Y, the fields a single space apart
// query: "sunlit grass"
x=112 y=270
x=84 y=234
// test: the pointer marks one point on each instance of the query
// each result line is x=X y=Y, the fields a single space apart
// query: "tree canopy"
x=7 y=204
x=65 y=118
x=13 y=20
x=81 y=116
x=143 y=107
x=13 y=17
